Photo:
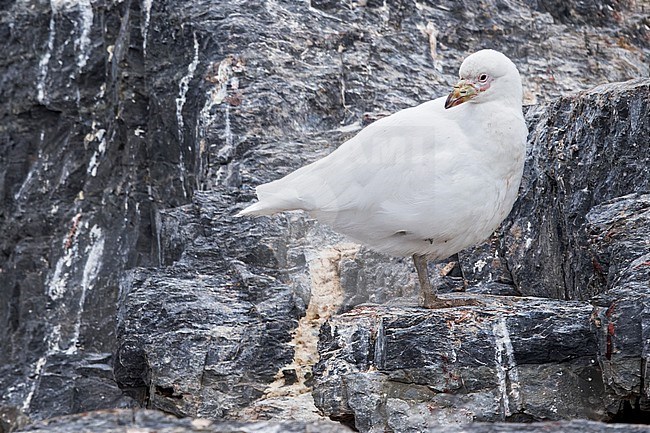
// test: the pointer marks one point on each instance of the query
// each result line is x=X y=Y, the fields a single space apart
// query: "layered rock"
x=149 y=421
x=511 y=359
x=144 y=421
x=116 y=113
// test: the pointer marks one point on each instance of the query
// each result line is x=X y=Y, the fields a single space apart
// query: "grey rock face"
x=203 y=336
x=146 y=421
x=121 y=286
x=585 y=149
x=76 y=203
x=620 y=247
x=149 y=421
x=409 y=369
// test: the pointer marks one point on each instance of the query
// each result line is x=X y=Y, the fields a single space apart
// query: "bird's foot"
x=436 y=302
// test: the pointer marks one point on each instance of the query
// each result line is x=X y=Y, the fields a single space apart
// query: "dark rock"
x=410 y=369
x=149 y=421
x=620 y=246
x=585 y=149
x=618 y=235
x=115 y=113
x=78 y=199
x=201 y=338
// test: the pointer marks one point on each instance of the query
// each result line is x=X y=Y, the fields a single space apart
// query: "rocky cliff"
x=132 y=131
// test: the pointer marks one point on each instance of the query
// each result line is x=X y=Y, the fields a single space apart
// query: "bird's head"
x=486 y=75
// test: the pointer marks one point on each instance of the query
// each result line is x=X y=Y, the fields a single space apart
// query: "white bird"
x=427 y=181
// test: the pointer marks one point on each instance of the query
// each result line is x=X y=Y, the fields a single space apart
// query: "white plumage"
x=427 y=181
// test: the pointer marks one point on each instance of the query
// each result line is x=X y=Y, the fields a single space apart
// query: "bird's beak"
x=463 y=91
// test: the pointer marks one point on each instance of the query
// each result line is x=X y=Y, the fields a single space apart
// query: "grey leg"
x=428 y=295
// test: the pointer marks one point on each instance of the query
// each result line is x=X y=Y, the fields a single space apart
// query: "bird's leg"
x=428 y=295
x=462 y=273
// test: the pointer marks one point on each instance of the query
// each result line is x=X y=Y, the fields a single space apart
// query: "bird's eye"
x=483 y=78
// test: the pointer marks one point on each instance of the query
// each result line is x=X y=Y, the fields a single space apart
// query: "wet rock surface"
x=132 y=131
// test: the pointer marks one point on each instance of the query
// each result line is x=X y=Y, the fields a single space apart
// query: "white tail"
x=273 y=197
x=257 y=209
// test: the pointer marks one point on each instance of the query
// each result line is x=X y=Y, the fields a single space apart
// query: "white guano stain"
x=84 y=24
x=82 y=43
x=326 y=297
x=529 y=240
x=43 y=64
x=184 y=86
x=216 y=95
x=224 y=79
x=99 y=135
x=479 y=265
x=59 y=285
x=506 y=368
x=146 y=8
x=227 y=149
x=93 y=253
x=38 y=370
x=25 y=185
